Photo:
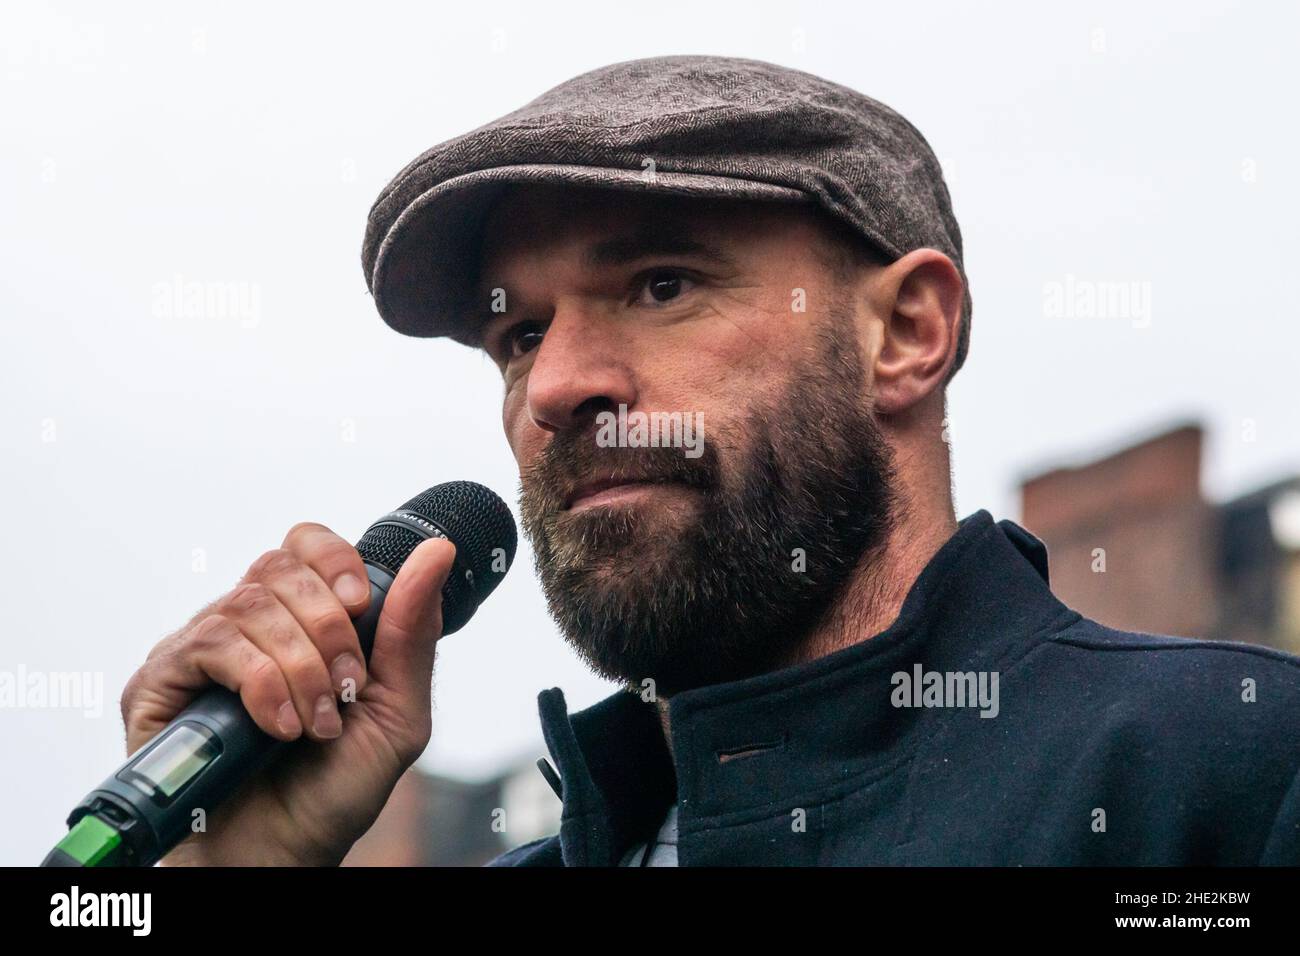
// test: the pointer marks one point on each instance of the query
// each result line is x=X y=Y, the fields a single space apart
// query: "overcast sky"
x=152 y=454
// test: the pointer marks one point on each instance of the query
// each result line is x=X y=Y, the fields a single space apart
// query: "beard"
x=787 y=502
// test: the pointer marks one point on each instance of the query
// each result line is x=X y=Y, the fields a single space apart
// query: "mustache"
x=573 y=459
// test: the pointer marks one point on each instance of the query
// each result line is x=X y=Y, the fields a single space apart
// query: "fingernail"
x=349 y=589
x=327 y=722
x=346 y=667
x=287 y=720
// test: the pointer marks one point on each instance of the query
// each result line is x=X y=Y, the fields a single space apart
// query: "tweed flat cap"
x=687 y=125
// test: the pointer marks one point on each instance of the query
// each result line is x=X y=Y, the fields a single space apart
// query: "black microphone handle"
x=216 y=735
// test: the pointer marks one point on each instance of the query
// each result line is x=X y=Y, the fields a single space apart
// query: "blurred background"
x=191 y=362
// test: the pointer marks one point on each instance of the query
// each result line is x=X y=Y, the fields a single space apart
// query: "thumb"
x=410 y=625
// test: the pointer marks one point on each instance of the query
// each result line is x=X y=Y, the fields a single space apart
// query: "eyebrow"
x=658 y=239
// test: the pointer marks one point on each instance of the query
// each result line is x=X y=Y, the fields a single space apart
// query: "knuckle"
x=281 y=637
x=318 y=546
x=305 y=527
x=261 y=675
x=339 y=558
x=334 y=549
x=135 y=697
x=347 y=552
x=302 y=531
x=308 y=586
x=128 y=714
x=272 y=564
x=307 y=671
x=211 y=632
x=130 y=694
x=332 y=623
x=251 y=597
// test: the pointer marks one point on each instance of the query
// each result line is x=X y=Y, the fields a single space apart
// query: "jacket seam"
x=1185 y=644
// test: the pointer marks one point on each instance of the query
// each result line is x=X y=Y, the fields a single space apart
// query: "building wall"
x=1131 y=541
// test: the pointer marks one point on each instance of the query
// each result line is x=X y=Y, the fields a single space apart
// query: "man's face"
x=720 y=333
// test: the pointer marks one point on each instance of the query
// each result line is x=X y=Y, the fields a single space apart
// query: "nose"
x=580 y=369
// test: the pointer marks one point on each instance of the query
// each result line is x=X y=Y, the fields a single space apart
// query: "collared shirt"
x=662 y=850
x=989 y=724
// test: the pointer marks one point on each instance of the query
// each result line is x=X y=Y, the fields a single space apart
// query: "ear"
x=919 y=298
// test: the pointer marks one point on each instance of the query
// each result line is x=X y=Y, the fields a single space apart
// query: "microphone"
x=147 y=806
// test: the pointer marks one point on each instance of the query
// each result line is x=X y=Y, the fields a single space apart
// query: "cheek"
x=717 y=367
x=518 y=426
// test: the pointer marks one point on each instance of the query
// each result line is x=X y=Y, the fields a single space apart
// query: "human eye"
x=661 y=286
x=518 y=340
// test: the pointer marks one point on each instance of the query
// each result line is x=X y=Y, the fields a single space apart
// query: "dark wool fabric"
x=1151 y=731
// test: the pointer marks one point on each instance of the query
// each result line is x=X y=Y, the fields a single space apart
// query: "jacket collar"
x=809 y=727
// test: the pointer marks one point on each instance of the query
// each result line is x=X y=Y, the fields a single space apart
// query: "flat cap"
x=707 y=126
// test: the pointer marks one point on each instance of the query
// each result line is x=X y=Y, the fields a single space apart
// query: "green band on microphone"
x=91 y=842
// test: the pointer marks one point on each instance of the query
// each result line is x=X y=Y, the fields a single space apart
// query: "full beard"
x=732 y=586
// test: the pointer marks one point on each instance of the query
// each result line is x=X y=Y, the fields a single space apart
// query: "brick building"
x=1134 y=544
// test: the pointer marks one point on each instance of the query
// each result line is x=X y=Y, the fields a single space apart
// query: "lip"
x=609 y=490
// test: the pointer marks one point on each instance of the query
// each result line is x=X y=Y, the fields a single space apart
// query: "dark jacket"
x=1107 y=748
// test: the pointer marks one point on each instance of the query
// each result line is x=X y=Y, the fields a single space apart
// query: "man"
x=725 y=299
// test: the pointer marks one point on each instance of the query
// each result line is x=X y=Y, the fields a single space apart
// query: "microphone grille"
x=476 y=520
x=388 y=546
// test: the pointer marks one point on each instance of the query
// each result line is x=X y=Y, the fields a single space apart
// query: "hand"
x=283 y=640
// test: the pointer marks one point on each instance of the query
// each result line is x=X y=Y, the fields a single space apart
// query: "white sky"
x=238 y=143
